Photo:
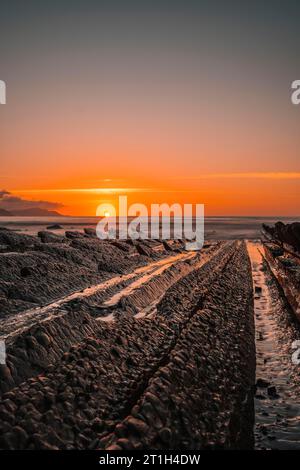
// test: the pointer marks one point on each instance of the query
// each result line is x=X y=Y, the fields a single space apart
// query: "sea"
x=216 y=228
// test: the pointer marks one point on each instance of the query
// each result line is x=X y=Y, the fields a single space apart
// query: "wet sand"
x=277 y=399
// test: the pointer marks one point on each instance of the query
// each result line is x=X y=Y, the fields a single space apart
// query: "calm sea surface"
x=216 y=228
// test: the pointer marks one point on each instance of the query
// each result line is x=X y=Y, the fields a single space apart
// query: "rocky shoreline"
x=154 y=350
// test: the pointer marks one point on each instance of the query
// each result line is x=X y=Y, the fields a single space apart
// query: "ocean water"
x=216 y=228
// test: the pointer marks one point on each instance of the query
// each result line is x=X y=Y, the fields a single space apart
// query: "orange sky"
x=222 y=194
x=246 y=164
x=188 y=105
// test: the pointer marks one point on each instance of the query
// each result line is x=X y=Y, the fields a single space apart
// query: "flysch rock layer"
x=37 y=270
x=180 y=379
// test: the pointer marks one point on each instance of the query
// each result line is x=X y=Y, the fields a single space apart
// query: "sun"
x=105 y=210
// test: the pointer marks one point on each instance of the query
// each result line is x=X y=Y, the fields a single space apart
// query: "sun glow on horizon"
x=247 y=193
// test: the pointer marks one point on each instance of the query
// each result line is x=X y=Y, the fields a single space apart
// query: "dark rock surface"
x=286 y=269
x=183 y=378
x=48 y=237
x=201 y=397
x=90 y=232
x=37 y=270
x=285 y=233
x=17 y=241
x=54 y=227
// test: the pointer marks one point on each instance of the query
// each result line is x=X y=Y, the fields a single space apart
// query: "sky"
x=164 y=101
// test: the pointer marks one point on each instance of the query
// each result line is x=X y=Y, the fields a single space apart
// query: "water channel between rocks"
x=277 y=399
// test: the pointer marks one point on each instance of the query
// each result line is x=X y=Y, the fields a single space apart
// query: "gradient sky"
x=166 y=101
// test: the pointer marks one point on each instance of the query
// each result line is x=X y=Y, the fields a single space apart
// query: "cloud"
x=13 y=203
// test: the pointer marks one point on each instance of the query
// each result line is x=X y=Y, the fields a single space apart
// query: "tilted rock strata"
x=182 y=378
